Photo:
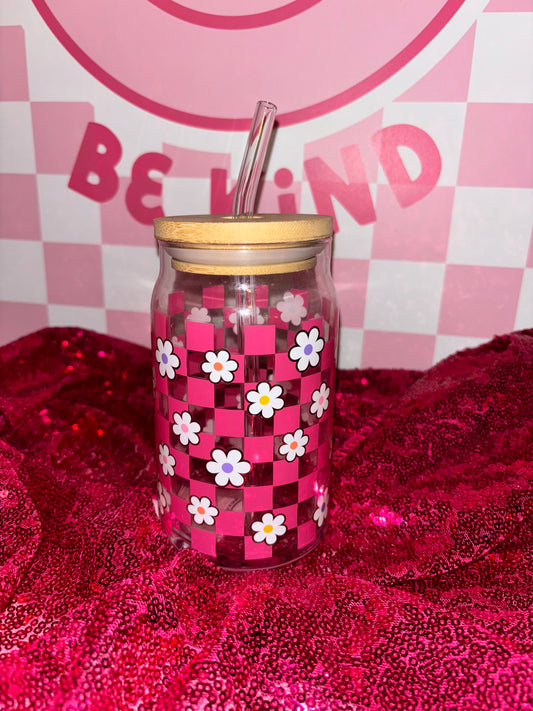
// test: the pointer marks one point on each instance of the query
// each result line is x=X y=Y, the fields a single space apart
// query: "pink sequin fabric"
x=418 y=598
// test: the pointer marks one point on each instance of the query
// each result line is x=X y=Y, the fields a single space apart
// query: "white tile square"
x=352 y=241
x=443 y=122
x=403 y=296
x=448 y=345
x=17 y=154
x=23 y=271
x=502 y=64
x=524 y=312
x=186 y=196
x=81 y=316
x=67 y=216
x=129 y=276
x=350 y=348
x=491 y=226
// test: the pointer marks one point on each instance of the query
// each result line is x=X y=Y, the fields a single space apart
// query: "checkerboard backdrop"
x=415 y=283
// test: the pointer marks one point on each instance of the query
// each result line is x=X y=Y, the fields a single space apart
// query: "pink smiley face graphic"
x=192 y=63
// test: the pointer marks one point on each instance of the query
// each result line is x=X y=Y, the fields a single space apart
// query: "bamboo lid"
x=234 y=232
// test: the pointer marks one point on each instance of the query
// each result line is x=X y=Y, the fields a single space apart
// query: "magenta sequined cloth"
x=419 y=598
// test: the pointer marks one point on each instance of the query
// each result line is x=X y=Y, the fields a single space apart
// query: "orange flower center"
x=217 y=366
x=293 y=444
x=201 y=510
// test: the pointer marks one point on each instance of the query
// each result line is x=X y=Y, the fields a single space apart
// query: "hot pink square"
x=312 y=433
x=259 y=339
x=230 y=523
x=306 y=534
x=19 y=217
x=178 y=508
x=418 y=233
x=308 y=385
x=259 y=449
x=181 y=467
x=284 y=368
x=449 y=79
x=290 y=513
x=13 y=69
x=382 y=349
x=256 y=551
x=497 y=146
x=351 y=277
x=229 y=423
x=133 y=326
x=18 y=319
x=200 y=336
x=306 y=487
x=202 y=488
x=204 y=447
x=160 y=326
x=479 y=301
x=285 y=472
x=287 y=419
x=204 y=541
x=58 y=130
x=200 y=392
x=74 y=274
x=118 y=224
x=258 y=498
x=213 y=297
x=161 y=429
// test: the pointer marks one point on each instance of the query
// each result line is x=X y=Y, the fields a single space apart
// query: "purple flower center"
x=323 y=506
x=308 y=349
x=227 y=468
x=164 y=358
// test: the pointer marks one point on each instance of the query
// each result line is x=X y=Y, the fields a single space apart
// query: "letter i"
x=286 y=201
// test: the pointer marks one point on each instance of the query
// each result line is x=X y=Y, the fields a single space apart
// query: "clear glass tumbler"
x=244 y=329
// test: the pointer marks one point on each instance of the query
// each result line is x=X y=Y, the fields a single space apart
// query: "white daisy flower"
x=167 y=359
x=292 y=308
x=294 y=445
x=163 y=499
x=228 y=467
x=265 y=400
x=167 y=460
x=176 y=342
x=220 y=366
x=199 y=315
x=269 y=528
x=256 y=319
x=322 y=507
x=306 y=351
x=320 y=399
x=185 y=428
x=202 y=510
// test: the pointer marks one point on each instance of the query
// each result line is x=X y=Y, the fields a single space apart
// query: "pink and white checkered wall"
x=414 y=126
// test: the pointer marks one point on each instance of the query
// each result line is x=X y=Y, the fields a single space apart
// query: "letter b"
x=99 y=153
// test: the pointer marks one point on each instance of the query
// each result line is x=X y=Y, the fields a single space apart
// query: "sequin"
x=419 y=597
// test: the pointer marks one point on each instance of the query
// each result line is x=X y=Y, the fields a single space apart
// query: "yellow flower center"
x=268 y=528
x=264 y=400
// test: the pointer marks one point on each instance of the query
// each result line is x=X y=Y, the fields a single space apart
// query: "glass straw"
x=243 y=204
x=254 y=158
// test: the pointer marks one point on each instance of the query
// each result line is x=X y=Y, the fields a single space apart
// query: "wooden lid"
x=234 y=232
